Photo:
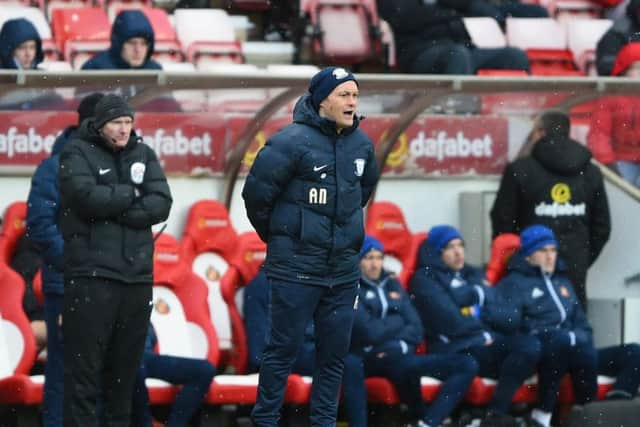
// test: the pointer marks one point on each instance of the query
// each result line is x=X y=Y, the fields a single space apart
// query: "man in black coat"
x=431 y=38
x=112 y=190
x=304 y=196
x=557 y=186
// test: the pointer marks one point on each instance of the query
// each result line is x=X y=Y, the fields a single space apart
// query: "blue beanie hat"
x=325 y=81
x=369 y=244
x=440 y=235
x=535 y=237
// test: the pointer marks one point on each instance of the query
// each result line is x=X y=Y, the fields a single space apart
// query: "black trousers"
x=105 y=324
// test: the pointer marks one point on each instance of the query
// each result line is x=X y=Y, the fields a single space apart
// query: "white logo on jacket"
x=137 y=172
x=103 y=171
x=359 y=166
x=317 y=196
x=537 y=293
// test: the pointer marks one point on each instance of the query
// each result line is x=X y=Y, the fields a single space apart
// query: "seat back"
x=17 y=343
x=386 y=222
x=80 y=24
x=502 y=248
x=32 y=14
x=179 y=287
x=485 y=32
x=583 y=36
x=13 y=226
x=209 y=244
x=203 y=25
x=346 y=30
x=536 y=33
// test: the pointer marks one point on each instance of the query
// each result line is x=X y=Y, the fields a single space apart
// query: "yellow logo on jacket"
x=560 y=193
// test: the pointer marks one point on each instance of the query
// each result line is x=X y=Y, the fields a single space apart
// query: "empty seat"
x=583 y=36
x=545 y=42
x=113 y=7
x=13 y=226
x=207 y=34
x=344 y=31
x=80 y=25
x=485 y=32
x=52 y=5
x=502 y=248
x=55 y=66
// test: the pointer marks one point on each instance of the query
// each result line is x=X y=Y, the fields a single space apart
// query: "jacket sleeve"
x=369 y=178
x=256 y=319
x=436 y=308
x=504 y=312
x=607 y=50
x=42 y=213
x=273 y=168
x=154 y=204
x=90 y=199
x=600 y=218
x=504 y=213
x=600 y=132
x=369 y=330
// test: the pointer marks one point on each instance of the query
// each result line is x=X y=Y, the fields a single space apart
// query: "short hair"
x=555 y=123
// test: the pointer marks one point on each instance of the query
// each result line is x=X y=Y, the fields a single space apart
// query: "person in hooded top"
x=132 y=45
x=556 y=185
x=20 y=45
x=536 y=298
x=450 y=297
x=624 y=30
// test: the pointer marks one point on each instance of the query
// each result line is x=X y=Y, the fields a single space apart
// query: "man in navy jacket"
x=537 y=298
x=132 y=43
x=386 y=332
x=304 y=196
x=450 y=297
x=42 y=228
x=20 y=45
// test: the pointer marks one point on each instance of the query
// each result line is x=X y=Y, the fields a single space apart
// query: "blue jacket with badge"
x=42 y=216
x=128 y=24
x=304 y=196
x=533 y=303
x=386 y=321
x=449 y=303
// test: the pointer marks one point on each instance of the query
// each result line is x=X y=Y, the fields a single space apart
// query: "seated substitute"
x=449 y=295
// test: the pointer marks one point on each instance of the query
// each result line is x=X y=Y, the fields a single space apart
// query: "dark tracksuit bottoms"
x=194 y=375
x=105 y=324
x=456 y=371
x=293 y=305
x=510 y=360
x=583 y=362
x=54 y=368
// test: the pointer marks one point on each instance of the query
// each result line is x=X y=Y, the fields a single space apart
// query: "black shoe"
x=493 y=419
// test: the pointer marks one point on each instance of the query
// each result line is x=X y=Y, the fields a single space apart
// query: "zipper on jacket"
x=554 y=296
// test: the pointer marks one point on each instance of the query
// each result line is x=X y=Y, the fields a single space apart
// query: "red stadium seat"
x=482 y=389
x=13 y=226
x=88 y=24
x=17 y=345
x=385 y=222
x=502 y=248
x=209 y=246
x=183 y=326
x=344 y=31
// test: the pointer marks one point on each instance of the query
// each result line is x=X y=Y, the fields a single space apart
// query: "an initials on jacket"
x=317 y=196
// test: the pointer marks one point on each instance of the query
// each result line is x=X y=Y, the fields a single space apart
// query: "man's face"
x=453 y=254
x=25 y=53
x=134 y=51
x=537 y=132
x=545 y=258
x=371 y=264
x=118 y=130
x=340 y=105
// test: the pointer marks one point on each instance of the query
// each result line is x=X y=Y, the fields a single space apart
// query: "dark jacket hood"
x=304 y=113
x=88 y=133
x=15 y=32
x=563 y=156
x=129 y=24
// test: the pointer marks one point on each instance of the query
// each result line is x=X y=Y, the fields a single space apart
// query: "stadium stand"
x=80 y=33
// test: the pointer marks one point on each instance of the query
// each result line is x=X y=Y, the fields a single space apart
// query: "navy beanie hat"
x=535 y=237
x=369 y=244
x=87 y=106
x=325 y=81
x=440 y=235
